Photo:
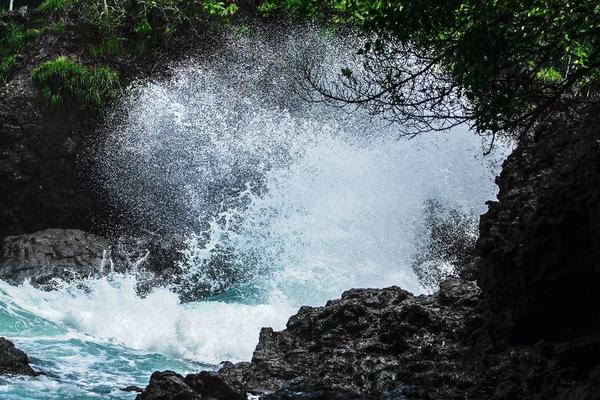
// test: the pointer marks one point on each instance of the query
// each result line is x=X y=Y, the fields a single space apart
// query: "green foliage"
x=139 y=22
x=13 y=41
x=142 y=27
x=219 y=8
x=56 y=27
x=240 y=31
x=142 y=17
x=63 y=78
x=109 y=46
x=7 y=65
x=32 y=33
x=511 y=59
x=52 y=6
x=13 y=38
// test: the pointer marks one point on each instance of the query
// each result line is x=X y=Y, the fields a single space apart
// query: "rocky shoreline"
x=389 y=344
x=14 y=361
x=527 y=329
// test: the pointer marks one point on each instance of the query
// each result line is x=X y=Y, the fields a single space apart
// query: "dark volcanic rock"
x=46 y=169
x=41 y=181
x=371 y=342
x=68 y=254
x=14 y=361
x=385 y=344
x=540 y=243
x=53 y=253
x=168 y=385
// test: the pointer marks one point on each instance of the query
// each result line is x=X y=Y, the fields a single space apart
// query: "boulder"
x=168 y=385
x=53 y=255
x=14 y=361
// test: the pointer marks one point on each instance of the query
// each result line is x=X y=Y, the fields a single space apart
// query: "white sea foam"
x=109 y=310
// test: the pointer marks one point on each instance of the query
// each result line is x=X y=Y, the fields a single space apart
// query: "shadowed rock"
x=540 y=243
x=168 y=385
x=14 y=361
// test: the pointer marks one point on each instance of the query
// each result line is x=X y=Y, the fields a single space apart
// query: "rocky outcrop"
x=540 y=242
x=46 y=169
x=14 y=361
x=203 y=386
x=371 y=342
x=53 y=255
x=389 y=344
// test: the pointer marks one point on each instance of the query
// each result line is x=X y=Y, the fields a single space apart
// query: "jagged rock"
x=132 y=388
x=285 y=394
x=371 y=342
x=52 y=255
x=376 y=344
x=14 y=361
x=540 y=243
x=168 y=385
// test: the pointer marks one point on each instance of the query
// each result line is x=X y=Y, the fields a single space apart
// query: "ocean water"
x=283 y=203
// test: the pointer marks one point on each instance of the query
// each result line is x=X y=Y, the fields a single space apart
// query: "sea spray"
x=284 y=203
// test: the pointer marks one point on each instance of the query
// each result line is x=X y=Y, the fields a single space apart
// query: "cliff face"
x=540 y=243
x=41 y=180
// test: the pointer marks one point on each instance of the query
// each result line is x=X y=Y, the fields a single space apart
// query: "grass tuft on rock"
x=63 y=78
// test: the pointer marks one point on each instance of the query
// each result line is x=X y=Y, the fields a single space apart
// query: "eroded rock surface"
x=370 y=342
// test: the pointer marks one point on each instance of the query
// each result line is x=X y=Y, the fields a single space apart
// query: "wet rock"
x=14 y=361
x=41 y=178
x=445 y=245
x=327 y=394
x=385 y=344
x=368 y=344
x=54 y=255
x=168 y=385
x=133 y=388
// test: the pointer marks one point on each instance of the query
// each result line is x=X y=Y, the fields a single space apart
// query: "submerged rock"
x=53 y=255
x=14 y=361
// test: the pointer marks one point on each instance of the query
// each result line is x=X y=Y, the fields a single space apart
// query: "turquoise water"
x=78 y=366
x=92 y=342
